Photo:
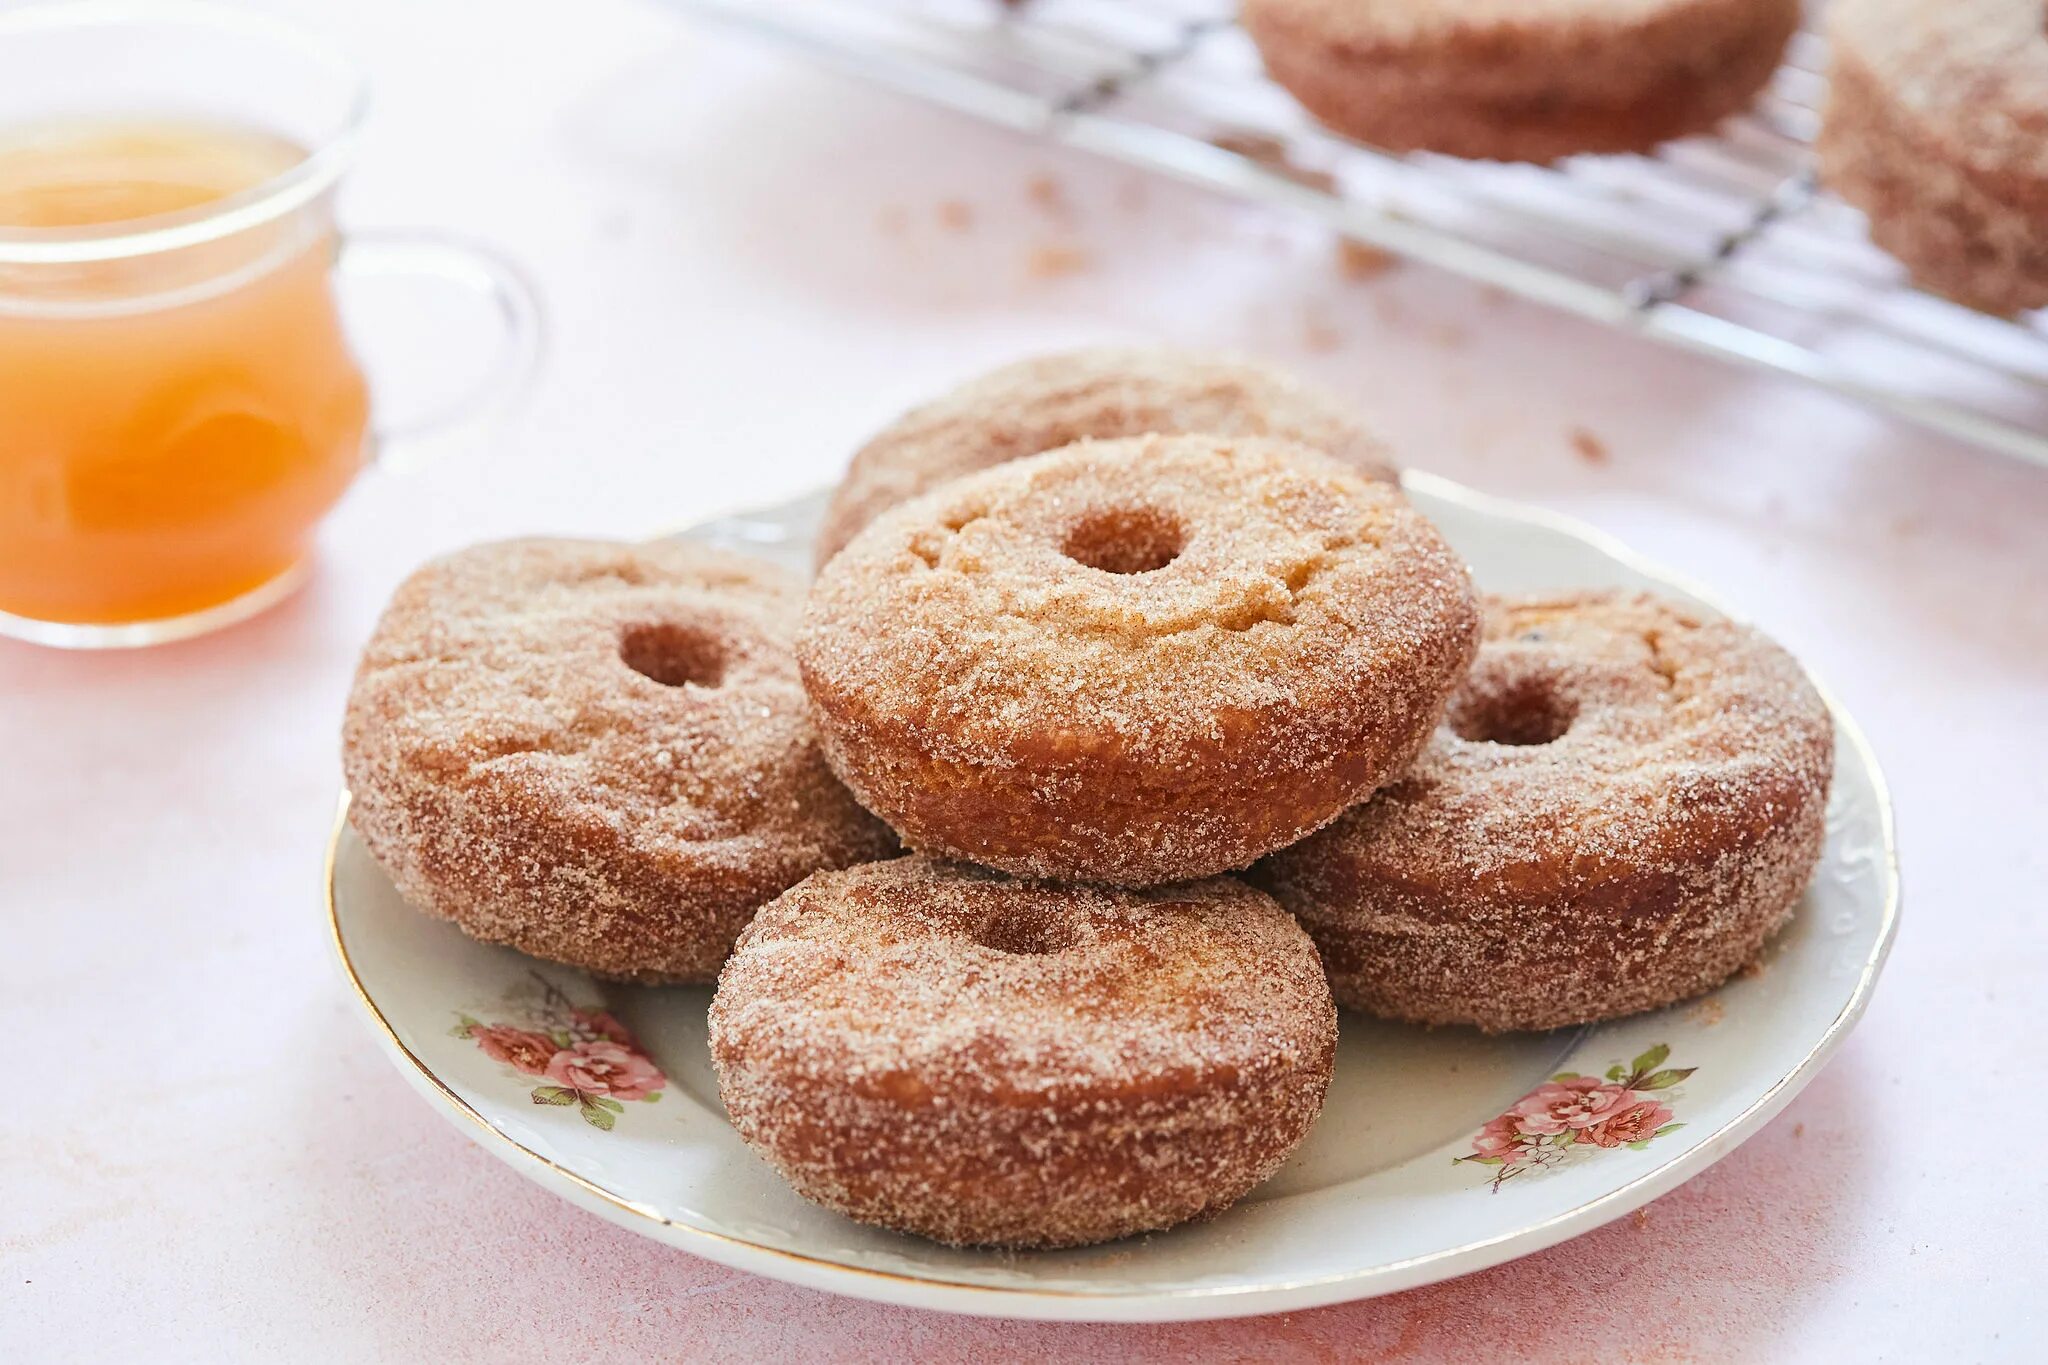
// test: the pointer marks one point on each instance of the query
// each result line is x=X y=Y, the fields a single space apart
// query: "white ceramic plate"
x=630 y=1127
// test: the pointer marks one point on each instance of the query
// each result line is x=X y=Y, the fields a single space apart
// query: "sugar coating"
x=1937 y=127
x=941 y=1050
x=1051 y=401
x=1640 y=857
x=1521 y=80
x=998 y=700
x=514 y=773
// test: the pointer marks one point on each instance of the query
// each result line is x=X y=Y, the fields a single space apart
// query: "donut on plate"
x=1936 y=126
x=1043 y=404
x=597 y=753
x=1626 y=800
x=943 y=1051
x=1521 y=80
x=1134 y=661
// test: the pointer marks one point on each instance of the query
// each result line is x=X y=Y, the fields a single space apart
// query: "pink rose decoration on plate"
x=521 y=1049
x=1570 y=1112
x=1638 y=1123
x=1499 y=1138
x=606 y=1068
x=589 y=1057
x=1578 y=1102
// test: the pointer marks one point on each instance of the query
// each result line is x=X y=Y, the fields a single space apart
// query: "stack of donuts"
x=1134 y=721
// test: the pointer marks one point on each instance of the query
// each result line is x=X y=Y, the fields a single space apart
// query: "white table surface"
x=202 y=1153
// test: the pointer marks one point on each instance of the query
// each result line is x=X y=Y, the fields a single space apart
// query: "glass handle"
x=497 y=283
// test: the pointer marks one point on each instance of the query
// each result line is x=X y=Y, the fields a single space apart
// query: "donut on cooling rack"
x=1521 y=80
x=1626 y=800
x=1936 y=126
x=1043 y=404
x=943 y=1051
x=1134 y=661
x=596 y=753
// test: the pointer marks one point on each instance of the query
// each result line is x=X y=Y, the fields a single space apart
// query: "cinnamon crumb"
x=956 y=215
x=1358 y=261
x=1588 y=447
x=1641 y=1218
x=1754 y=969
x=1708 y=1012
x=1050 y=196
x=1055 y=261
x=1799 y=1130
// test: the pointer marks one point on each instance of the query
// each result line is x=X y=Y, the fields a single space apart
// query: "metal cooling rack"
x=1722 y=245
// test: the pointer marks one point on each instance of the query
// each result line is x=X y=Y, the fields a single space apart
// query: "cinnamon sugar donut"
x=1521 y=80
x=1052 y=401
x=596 y=753
x=1134 y=661
x=1626 y=800
x=1936 y=126
x=943 y=1051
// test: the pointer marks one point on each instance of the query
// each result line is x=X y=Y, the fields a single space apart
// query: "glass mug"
x=179 y=405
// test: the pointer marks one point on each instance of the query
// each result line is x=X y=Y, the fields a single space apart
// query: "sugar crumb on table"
x=956 y=215
x=1057 y=260
x=1318 y=334
x=1049 y=196
x=1360 y=261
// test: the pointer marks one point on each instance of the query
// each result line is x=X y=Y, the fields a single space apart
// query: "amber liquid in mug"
x=171 y=426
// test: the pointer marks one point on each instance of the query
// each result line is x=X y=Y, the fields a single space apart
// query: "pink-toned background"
x=203 y=1155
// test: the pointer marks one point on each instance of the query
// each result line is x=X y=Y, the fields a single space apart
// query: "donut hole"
x=1027 y=932
x=1126 y=540
x=1526 y=711
x=673 y=655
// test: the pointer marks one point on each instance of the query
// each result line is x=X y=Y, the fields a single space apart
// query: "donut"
x=1936 y=126
x=1134 y=661
x=984 y=1062
x=597 y=753
x=1053 y=401
x=1625 y=801
x=1521 y=80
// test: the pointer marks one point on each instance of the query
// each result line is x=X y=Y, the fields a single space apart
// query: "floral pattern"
x=1571 y=1113
x=585 y=1057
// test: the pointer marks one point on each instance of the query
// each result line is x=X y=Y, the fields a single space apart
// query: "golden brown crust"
x=1521 y=80
x=1636 y=859
x=946 y=1052
x=1936 y=126
x=998 y=700
x=514 y=773
x=1051 y=401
